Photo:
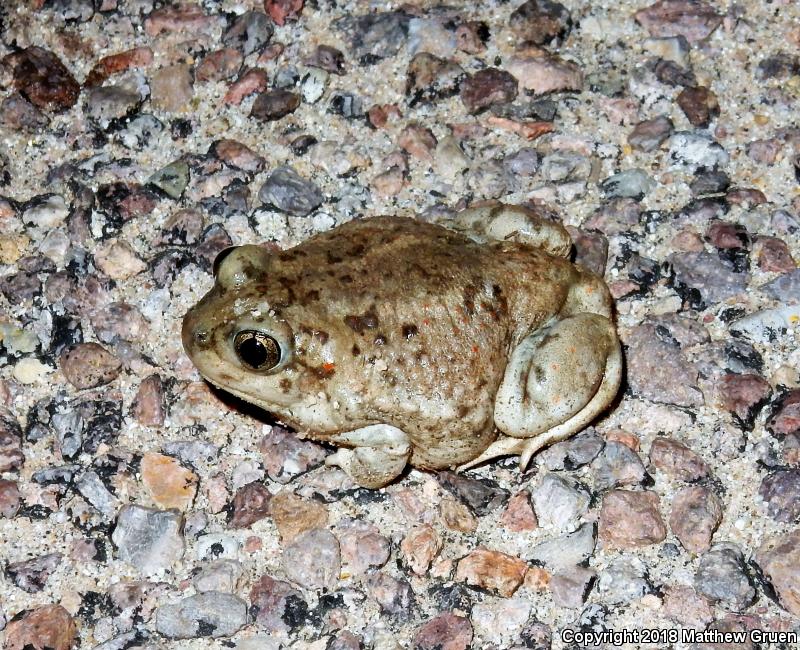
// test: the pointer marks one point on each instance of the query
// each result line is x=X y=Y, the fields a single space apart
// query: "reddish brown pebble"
x=294 y=515
x=219 y=65
x=773 y=254
x=727 y=235
x=418 y=141
x=389 y=183
x=282 y=10
x=779 y=559
x=88 y=365
x=785 y=418
x=181 y=17
x=492 y=570
x=519 y=515
x=630 y=440
x=699 y=104
x=41 y=77
x=49 y=627
x=138 y=57
x=696 y=514
x=149 y=405
x=692 y=19
x=471 y=36
x=487 y=87
x=419 y=548
x=745 y=196
x=252 y=81
x=631 y=519
x=250 y=504
x=676 y=460
x=526 y=129
x=169 y=483
x=361 y=545
x=10 y=499
x=684 y=605
x=238 y=155
x=17 y=113
x=444 y=632
x=382 y=114
x=540 y=21
x=274 y=104
x=171 y=88
x=270 y=601
x=743 y=395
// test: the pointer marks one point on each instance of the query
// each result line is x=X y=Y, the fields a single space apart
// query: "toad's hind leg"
x=377 y=455
x=557 y=381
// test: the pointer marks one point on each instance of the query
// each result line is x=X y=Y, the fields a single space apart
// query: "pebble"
x=45 y=211
x=773 y=255
x=290 y=192
x=375 y=35
x=285 y=456
x=148 y=539
x=361 y=545
x=169 y=484
x=418 y=141
x=313 y=84
x=88 y=365
x=46 y=626
x=482 y=496
x=329 y=59
x=699 y=104
x=107 y=66
x=148 y=407
x=92 y=488
x=781 y=492
x=617 y=465
x=764 y=151
x=744 y=395
x=249 y=32
x=540 y=21
x=502 y=620
x=471 y=36
x=282 y=10
x=487 y=87
x=545 y=73
x=106 y=105
x=572 y=453
x=118 y=260
x=492 y=570
x=393 y=595
x=721 y=577
x=779 y=559
x=683 y=604
x=450 y=159
x=631 y=520
x=294 y=515
x=172 y=88
x=276 y=606
x=210 y=614
x=623 y=581
x=11 y=456
x=715 y=279
x=696 y=514
x=785 y=288
x=274 y=104
x=692 y=150
x=180 y=19
x=565 y=167
x=559 y=502
x=172 y=179
x=18 y=113
x=447 y=631
x=313 y=560
x=570 y=587
x=220 y=65
x=657 y=369
x=709 y=181
x=677 y=461
x=568 y=550
x=42 y=78
x=419 y=548
x=671 y=48
x=695 y=20
x=785 y=417
x=631 y=183
x=10 y=499
x=251 y=503
x=31 y=575
x=519 y=515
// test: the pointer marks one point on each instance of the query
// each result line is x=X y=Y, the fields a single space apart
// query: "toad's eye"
x=257 y=350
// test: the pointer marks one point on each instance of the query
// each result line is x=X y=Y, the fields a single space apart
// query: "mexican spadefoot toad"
x=402 y=342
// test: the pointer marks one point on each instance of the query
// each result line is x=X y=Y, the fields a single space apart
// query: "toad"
x=404 y=342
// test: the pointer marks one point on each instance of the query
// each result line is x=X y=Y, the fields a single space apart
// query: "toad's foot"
x=378 y=455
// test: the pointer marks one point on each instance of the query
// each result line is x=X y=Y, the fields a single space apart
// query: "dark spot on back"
x=356 y=350
x=285 y=385
x=360 y=322
x=409 y=330
x=380 y=339
x=310 y=296
x=332 y=258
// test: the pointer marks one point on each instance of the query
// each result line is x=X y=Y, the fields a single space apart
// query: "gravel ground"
x=141 y=508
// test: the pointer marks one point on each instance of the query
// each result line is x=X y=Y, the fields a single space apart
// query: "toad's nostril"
x=202 y=337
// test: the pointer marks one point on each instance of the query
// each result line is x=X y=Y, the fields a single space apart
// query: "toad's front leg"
x=373 y=455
